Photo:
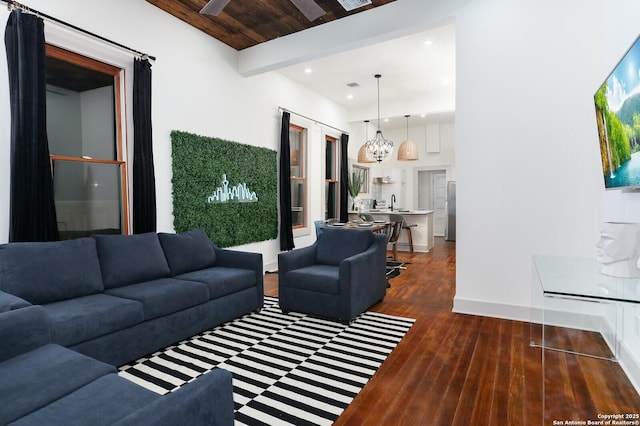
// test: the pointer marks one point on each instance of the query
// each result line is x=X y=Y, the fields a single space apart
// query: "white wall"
x=529 y=178
x=196 y=88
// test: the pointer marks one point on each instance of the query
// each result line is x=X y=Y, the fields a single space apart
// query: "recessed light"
x=349 y=96
x=308 y=70
x=428 y=43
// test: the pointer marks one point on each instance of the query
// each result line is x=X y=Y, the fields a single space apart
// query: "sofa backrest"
x=129 y=259
x=46 y=272
x=335 y=245
x=188 y=251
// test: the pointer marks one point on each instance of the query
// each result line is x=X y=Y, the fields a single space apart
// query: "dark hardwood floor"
x=453 y=369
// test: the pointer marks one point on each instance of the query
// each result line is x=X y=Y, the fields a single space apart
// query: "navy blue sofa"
x=339 y=276
x=46 y=384
x=119 y=297
x=116 y=298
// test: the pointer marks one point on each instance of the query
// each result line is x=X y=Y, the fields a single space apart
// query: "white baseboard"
x=490 y=309
x=420 y=248
x=627 y=360
x=630 y=365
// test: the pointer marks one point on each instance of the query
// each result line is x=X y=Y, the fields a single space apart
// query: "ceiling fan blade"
x=309 y=8
x=214 y=7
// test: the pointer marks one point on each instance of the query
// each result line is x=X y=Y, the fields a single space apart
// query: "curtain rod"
x=11 y=5
x=312 y=119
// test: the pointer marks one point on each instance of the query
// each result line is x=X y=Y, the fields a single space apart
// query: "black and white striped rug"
x=287 y=369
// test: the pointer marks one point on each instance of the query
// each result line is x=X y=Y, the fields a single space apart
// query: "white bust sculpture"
x=619 y=249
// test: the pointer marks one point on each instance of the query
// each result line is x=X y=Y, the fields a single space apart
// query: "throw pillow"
x=129 y=259
x=188 y=251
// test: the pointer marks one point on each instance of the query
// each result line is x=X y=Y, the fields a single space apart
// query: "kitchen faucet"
x=393 y=198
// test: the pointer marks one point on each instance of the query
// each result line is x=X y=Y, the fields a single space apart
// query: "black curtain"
x=284 y=186
x=144 y=181
x=344 y=178
x=32 y=209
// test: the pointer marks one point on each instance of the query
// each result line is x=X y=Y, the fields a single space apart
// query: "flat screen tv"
x=617 y=104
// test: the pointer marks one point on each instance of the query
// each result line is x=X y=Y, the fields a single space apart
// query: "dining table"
x=375 y=226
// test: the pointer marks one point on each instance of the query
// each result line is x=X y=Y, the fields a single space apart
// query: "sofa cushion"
x=335 y=245
x=23 y=378
x=84 y=318
x=222 y=280
x=128 y=259
x=101 y=402
x=164 y=296
x=316 y=278
x=51 y=271
x=188 y=251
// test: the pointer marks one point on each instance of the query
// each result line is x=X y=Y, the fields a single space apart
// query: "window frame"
x=302 y=158
x=335 y=179
x=120 y=121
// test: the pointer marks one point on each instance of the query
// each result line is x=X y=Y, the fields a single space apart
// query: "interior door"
x=439 y=191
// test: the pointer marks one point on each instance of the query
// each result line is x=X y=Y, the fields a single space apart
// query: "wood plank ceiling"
x=246 y=23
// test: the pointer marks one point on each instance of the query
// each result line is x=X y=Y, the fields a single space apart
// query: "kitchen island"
x=422 y=233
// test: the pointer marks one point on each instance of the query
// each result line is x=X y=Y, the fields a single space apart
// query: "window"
x=364 y=174
x=85 y=133
x=297 y=149
x=331 y=183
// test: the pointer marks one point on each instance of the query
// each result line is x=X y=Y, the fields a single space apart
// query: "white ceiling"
x=418 y=77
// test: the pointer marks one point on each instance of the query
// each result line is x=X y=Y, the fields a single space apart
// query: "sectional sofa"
x=46 y=384
x=115 y=298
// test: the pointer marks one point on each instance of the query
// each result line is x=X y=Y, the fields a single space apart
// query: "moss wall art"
x=227 y=188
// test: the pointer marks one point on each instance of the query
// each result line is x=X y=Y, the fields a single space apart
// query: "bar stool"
x=407 y=226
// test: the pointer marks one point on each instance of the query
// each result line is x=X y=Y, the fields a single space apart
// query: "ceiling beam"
x=392 y=20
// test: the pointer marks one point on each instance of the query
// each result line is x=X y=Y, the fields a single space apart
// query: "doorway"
x=432 y=195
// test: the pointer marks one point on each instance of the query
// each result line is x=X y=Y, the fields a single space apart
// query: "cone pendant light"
x=408 y=150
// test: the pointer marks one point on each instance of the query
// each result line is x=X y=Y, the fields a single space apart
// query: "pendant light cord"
x=377 y=76
x=407 y=117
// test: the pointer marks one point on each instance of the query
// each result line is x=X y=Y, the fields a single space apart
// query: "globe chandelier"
x=379 y=148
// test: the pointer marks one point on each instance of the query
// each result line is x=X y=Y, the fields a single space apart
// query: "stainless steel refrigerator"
x=450 y=226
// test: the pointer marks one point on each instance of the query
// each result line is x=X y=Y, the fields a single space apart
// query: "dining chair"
x=406 y=226
x=320 y=225
x=393 y=235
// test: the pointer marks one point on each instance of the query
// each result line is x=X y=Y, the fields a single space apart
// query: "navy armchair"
x=339 y=276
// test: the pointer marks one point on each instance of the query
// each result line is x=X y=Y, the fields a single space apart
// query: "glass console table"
x=579 y=311
x=576 y=295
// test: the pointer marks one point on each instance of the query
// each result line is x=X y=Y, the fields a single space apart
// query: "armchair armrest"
x=296 y=259
x=9 y=302
x=363 y=276
x=23 y=330
x=205 y=401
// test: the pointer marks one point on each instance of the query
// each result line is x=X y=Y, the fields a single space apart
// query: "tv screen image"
x=617 y=104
